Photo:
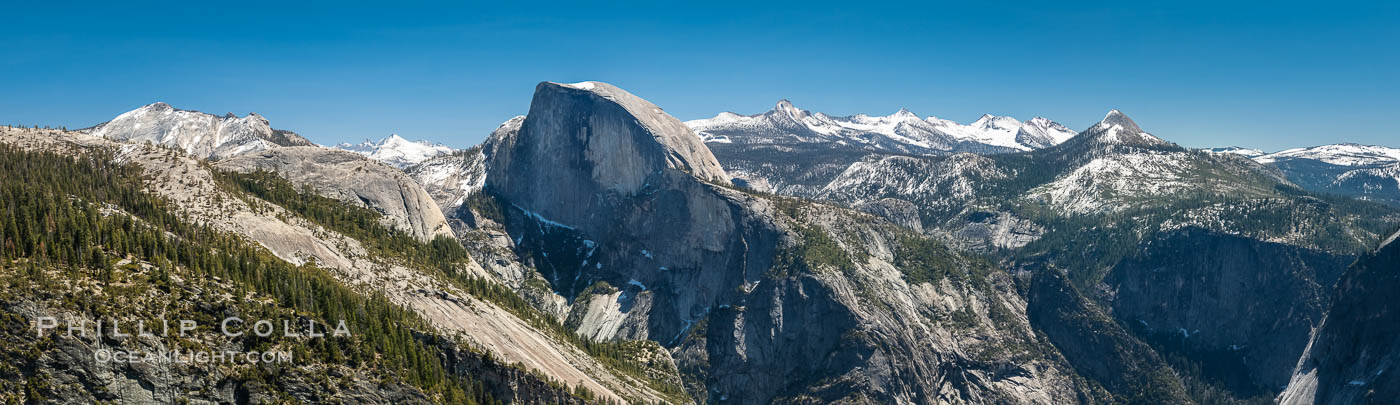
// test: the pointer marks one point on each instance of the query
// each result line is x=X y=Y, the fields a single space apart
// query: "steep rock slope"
x=1097 y=346
x=1236 y=301
x=1354 y=356
x=583 y=163
x=352 y=178
x=759 y=298
x=451 y=178
x=200 y=134
x=623 y=140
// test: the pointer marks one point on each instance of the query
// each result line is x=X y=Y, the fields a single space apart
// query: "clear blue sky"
x=1269 y=75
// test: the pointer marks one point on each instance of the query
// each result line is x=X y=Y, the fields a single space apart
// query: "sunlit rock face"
x=354 y=179
x=760 y=299
x=199 y=134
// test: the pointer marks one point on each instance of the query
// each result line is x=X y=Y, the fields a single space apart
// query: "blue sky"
x=1269 y=75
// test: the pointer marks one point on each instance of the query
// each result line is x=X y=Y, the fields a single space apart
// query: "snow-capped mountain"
x=1342 y=154
x=397 y=151
x=1040 y=132
x=902 y=131
x=200 y=134
x=1005 y=131
x=451 y=178
x=1363 y=171
x=1237 y=150
x=1117 y=129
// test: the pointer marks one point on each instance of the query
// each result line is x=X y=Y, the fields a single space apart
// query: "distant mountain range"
x=902 y=131
x=746 y=142
x=396 y=151
x=1362 y=171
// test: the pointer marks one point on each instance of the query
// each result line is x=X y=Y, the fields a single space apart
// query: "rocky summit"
x=200 y=134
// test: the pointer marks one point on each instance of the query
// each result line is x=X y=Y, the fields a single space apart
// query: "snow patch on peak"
x=1041 y=132
x=902 y=131
x=1109 y=183
x=988 y=129
x=989 y=121
x=200 y=134
x=1117 y=128
x=396 y=151
x=1236 y=150
x=785 y=108
x=586 y=85
x=1343 y=154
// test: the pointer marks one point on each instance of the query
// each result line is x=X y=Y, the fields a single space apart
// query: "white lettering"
x=46 y=322
x=341 y=328
x=224 y=326
x=258 y=328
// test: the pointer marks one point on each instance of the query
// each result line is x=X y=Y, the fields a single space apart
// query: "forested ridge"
x=86 y=221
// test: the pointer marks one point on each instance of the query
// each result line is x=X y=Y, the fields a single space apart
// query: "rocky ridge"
x=901 y=132
x=200 y=134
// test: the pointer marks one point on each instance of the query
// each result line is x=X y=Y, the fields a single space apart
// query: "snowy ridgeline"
x=903 y=128
x=397 y=151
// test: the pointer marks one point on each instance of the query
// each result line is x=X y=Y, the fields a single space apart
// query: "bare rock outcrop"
x=1353 y=357
x=582 y=134
x=760 y=299
x=203 y=135
x=451 y=178
x=354 y=179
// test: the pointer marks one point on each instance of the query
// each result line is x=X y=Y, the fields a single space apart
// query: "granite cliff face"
x=1354 y=355
x=759 y=299
x=594 y=133
x=1246 y=305
x=595 y=166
